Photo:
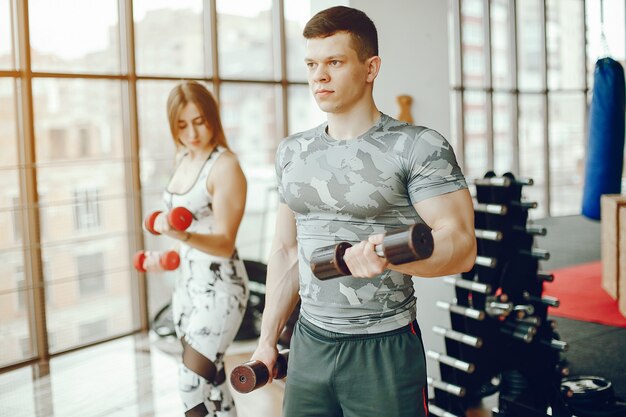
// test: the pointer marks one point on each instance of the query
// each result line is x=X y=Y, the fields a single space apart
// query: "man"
x=356 y=350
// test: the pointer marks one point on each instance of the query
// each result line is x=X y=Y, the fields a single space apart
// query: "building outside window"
x=20 y=285
x=91 y=278
x=58 y=145
x=86 y=209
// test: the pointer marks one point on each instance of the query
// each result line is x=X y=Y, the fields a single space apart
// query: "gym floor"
x=127 y=377
x=135 y=376
x=594 y=349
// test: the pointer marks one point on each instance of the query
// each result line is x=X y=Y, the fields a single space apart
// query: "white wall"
x=413 y=46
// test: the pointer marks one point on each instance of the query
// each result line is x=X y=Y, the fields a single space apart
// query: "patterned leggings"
x=208 y=304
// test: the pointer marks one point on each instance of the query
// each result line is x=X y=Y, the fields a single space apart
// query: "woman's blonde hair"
x=194 y=92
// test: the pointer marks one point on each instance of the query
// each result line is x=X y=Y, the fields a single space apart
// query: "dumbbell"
x=399 y=247
x=169 y=260
x=251 y=375
x=179 y=218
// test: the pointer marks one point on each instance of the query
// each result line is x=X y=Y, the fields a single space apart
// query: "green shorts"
x=366 y=375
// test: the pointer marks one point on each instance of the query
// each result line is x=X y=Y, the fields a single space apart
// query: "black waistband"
x=329 y=336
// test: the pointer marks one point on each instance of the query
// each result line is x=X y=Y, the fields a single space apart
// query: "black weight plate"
x=588 y=388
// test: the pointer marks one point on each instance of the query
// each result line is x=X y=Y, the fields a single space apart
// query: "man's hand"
x=362 y=259
x=267 y=355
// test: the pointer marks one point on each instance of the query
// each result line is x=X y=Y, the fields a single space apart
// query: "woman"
x=211 y=289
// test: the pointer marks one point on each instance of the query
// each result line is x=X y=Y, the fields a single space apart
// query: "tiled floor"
x=129 y=377
x=125 y=378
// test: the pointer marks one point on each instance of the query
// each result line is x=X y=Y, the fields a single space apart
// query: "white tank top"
x=197 y=200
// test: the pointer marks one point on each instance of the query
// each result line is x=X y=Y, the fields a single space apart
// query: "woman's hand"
x=151 y=262
x=162 y=226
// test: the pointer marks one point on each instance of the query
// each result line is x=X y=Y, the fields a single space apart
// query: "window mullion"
x=585 y=69
x=546 y=130
x=513 y=54
x=281 y=45
x=488 y=84
x=132 y=179
x=33 y=266
x=458 y=68
x=210 y=21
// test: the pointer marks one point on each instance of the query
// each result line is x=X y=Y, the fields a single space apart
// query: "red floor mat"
x=582 y=297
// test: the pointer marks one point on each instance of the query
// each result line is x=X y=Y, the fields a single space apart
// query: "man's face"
x=338 y=80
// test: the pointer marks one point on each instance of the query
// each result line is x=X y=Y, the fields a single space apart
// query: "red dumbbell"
x=179 y=218
x=169 y=260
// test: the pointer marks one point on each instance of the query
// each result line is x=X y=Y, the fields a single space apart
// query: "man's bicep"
x=455 y=208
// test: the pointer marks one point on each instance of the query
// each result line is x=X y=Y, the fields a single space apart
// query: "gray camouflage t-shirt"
x=346 y=190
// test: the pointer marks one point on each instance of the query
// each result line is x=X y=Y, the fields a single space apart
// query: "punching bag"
x=605 y=146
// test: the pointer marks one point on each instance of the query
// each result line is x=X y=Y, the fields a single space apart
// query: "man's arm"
x=451 y=217
x=281 y=287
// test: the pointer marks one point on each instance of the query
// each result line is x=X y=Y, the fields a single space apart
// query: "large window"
x=246 y=42
x=170 y=40
x=521 y=79
x=84 y=41
x=90 y=273
x=86 y=147
x=7 y=57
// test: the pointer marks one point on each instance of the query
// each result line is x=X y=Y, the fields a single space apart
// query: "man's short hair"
x=345 y=19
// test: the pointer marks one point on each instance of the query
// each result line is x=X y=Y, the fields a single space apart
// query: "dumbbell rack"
x=499 y=326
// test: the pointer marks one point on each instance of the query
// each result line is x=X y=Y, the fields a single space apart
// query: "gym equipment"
x=467 y=339
x=545 y=277
x=500 y=325
x=555 y=344
x=495 y=307
x=169 y=260
x=499 y=317
x=439 y=412
x=468 y=285
x=446 y=387
x=251 y=324
x=400 y=246
x=587 y=389
x=251 y=375
x=163 y=324
x=462 y=311
x=605 y=146
x=591 y=396
x=450 y=361
x=179 y=218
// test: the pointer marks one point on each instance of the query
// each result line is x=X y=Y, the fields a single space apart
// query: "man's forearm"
x=281 y=293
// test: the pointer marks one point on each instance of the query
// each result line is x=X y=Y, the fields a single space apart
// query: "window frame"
x=459 y=88
x=30 y=223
